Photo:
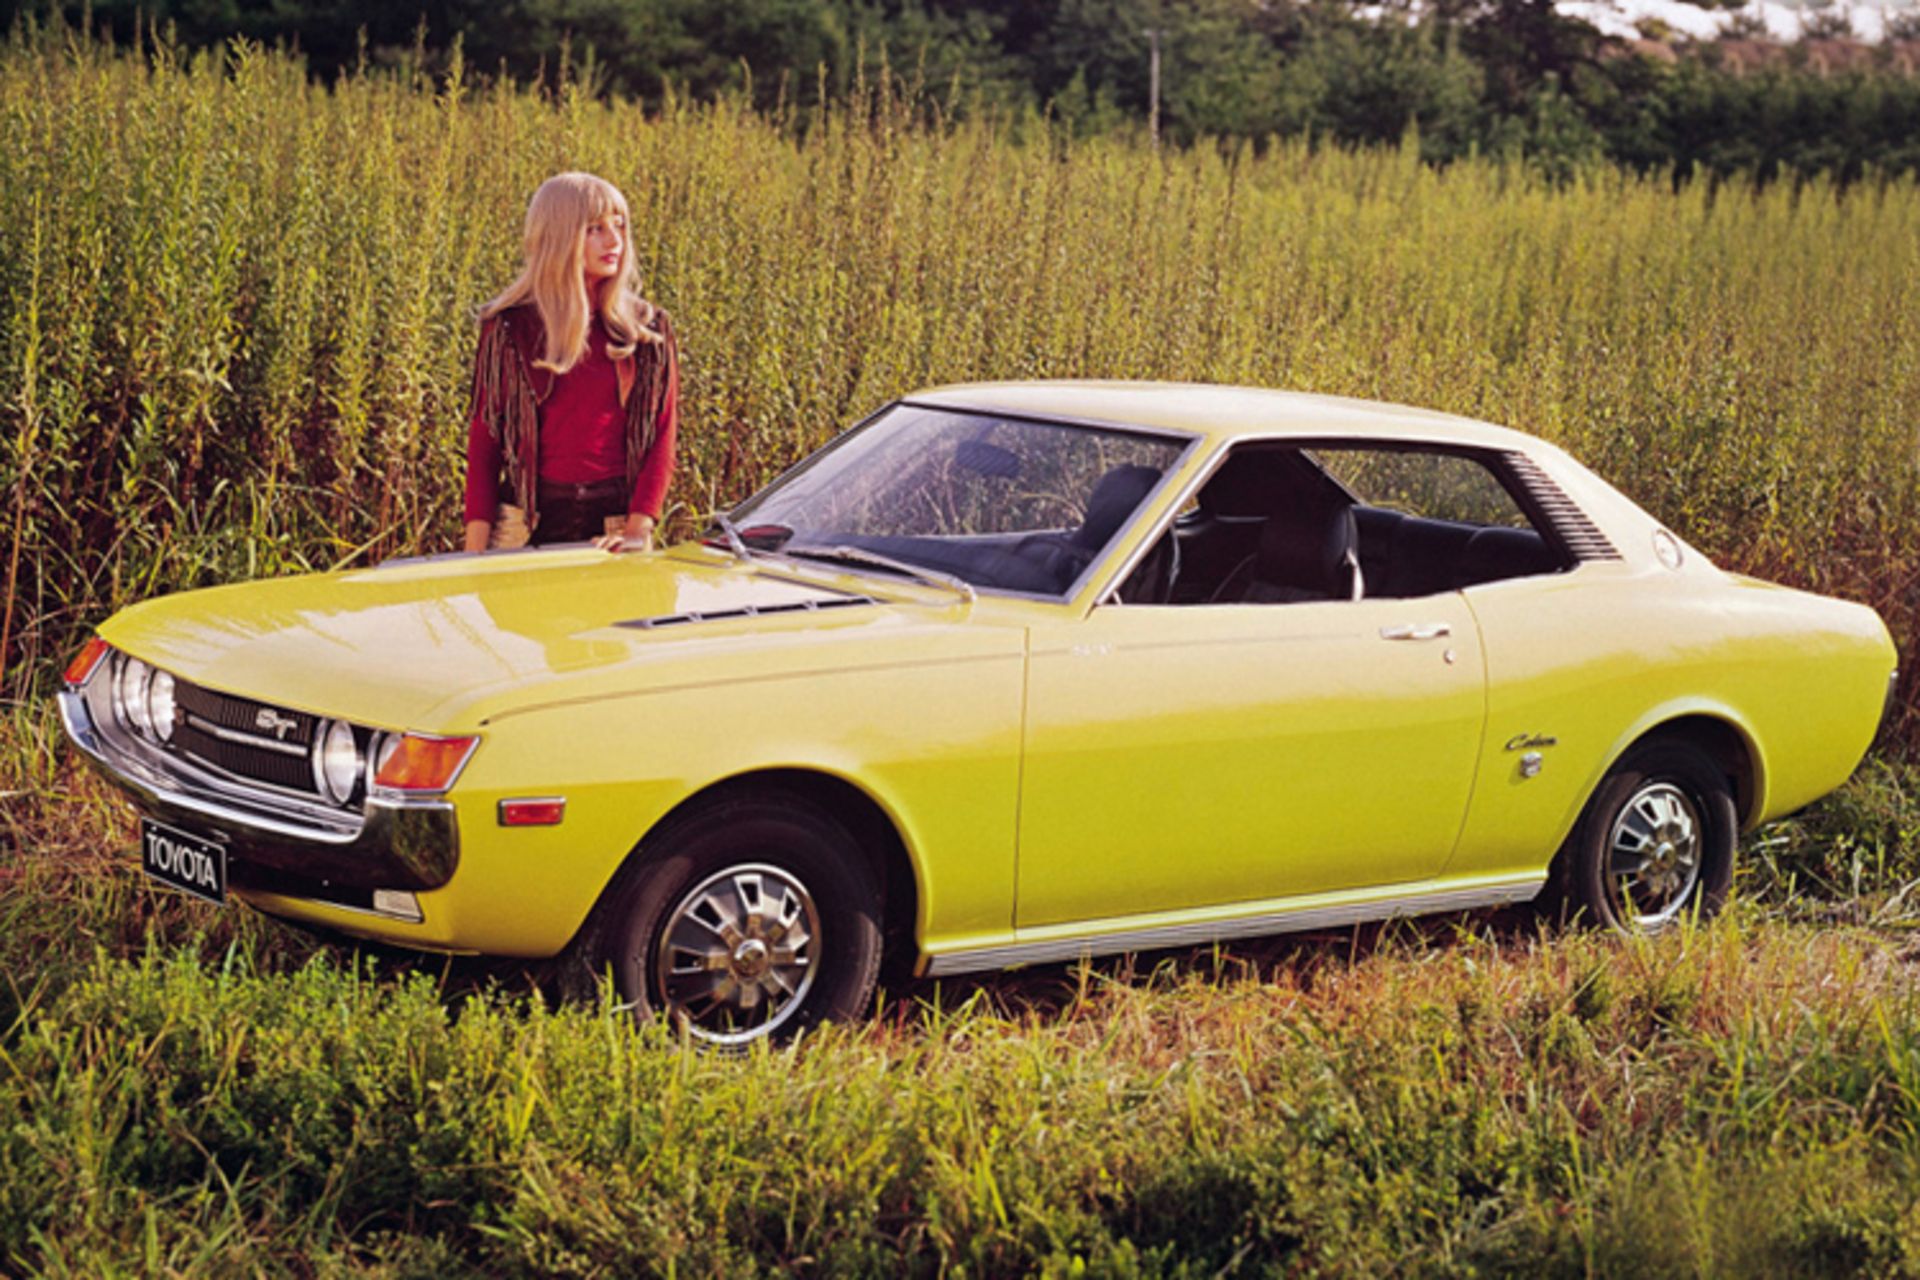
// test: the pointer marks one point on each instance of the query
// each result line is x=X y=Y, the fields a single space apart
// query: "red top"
x=582 y=436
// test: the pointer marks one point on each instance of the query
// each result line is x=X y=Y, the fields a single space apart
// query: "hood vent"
x=746 y=611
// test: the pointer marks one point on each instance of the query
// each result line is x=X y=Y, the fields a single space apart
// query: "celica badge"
x=270 y=721
x=1527 y=741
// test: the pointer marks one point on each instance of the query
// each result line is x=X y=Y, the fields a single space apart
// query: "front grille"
x=245 y=738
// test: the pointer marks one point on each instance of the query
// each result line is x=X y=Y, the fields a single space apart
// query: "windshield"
x=997 y=502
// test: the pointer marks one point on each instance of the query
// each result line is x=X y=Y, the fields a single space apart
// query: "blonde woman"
x=575 y=385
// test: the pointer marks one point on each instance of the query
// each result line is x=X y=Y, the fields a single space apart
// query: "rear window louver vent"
x=1580 y=534
x=745 y=611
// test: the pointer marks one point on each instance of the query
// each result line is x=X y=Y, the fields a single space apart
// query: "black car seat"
x=1116 y=496
x=1310 y=551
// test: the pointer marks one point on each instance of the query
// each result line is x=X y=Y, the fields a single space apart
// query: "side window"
x=1280 y=524
x=1429 y=486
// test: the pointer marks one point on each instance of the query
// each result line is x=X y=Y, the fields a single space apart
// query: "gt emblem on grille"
x=271 y=721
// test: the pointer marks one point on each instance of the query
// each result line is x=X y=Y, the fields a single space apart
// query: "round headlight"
x=336 y=764
x=160 y=705
x=134 y=676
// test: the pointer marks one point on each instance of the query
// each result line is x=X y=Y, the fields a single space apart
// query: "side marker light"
x=546 y=811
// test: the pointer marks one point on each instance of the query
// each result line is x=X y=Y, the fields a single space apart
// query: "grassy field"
x=235 y=324
x=186 y=1091
x=237 y=311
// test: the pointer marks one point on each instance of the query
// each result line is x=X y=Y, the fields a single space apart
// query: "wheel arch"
x=1715 y=730
x=1722 y=736
x=875 y=829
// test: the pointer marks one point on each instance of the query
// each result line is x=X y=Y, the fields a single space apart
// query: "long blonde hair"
x=553 y=278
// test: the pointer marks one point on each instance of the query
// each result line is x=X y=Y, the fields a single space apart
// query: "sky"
x=1616 y=17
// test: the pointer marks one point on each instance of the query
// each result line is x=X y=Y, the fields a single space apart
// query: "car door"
x=1191 y=756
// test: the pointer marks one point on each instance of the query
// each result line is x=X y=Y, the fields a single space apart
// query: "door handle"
x=1407 y=631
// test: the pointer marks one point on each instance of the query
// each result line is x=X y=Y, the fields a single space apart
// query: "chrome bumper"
x=279 y=844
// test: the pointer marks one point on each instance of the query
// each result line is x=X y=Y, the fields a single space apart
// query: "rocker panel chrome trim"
x=1156 y=938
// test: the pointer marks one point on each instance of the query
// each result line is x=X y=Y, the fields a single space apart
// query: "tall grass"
x=236 y=309
x=191 y=1091
x=1735 y=1100
x=235 y=326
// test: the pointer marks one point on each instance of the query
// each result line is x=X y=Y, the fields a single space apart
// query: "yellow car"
x=1007 y=673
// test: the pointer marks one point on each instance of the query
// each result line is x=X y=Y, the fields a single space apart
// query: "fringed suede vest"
x=508 y=390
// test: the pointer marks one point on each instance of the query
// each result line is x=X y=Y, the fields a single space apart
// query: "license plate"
x=189 y=863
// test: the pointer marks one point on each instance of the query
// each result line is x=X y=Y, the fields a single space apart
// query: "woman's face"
x=605 y=248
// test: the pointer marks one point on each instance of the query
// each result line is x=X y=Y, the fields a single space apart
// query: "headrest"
x=1312 y=546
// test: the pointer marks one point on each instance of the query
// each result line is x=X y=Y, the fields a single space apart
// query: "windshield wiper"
x=735 y=543
x=860 y=555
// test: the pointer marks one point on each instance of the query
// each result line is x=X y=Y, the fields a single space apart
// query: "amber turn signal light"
x=420 y=762
x=86 y=660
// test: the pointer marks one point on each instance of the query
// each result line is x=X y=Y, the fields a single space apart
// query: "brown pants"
x=510 y=527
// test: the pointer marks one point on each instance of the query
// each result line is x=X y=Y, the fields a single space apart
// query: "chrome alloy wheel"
x=1653 y=855
x=736 y=957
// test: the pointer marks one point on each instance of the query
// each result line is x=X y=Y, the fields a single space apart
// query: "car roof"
x=1221 y=412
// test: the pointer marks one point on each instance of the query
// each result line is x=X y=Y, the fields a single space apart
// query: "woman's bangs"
x=604 y=201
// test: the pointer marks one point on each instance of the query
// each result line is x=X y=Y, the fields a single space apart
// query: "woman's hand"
x=479 y=532
x=637 y=536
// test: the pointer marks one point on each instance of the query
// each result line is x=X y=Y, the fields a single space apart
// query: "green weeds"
x=236 y=317
x=1465 y=1109
x=237 y=310
x=208 y=1092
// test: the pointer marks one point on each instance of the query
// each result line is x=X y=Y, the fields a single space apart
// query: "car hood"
x=443 y=644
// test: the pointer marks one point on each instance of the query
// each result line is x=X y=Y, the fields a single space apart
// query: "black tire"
x=711 y=861
x=1639 y=814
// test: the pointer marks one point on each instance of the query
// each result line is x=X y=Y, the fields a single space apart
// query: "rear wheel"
x=746 y=919
x=1655 y=843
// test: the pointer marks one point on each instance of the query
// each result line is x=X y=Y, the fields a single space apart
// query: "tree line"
x=1492 y=77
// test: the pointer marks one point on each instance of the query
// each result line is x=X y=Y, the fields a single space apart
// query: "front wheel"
x=1656 y=841
x=750 y=918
